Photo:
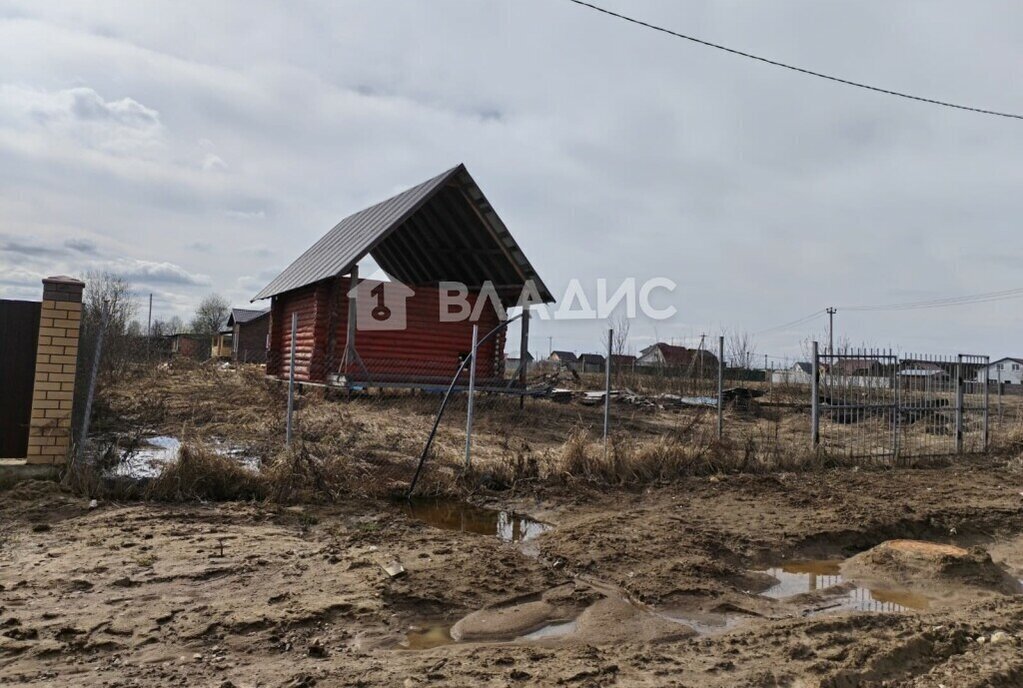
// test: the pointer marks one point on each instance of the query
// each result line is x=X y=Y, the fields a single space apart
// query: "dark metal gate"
x=858 y=413
x=873 y=403
x=19 y=333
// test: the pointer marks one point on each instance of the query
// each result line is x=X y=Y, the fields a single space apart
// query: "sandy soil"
x=673 y=586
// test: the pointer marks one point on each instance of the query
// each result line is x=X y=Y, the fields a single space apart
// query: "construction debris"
x=740 y=396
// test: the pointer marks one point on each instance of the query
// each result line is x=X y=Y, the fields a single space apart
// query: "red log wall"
x=426 y=351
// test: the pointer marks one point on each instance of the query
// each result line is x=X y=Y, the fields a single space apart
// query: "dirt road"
x=721 y=581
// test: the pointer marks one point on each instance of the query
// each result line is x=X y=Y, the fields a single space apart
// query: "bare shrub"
x=202 y=474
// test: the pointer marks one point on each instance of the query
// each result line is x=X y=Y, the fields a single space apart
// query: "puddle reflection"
x=555 y=630
x=468 y=518
x=150 y=459
x=801 y=577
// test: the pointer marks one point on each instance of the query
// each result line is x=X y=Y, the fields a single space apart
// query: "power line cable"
x=794 y=323
x=793 y=68
x=986 y=297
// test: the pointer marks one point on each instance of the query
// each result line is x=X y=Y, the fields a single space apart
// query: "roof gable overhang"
x=443 y=230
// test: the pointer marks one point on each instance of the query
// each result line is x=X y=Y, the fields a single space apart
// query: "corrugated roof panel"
x=244 y=315
x=351 y=239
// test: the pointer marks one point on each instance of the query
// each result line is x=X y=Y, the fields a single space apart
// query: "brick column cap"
x=62 y=288
x=63 y=279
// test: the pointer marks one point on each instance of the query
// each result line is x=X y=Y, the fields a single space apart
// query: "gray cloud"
x=27 y=249
x=608 y=150
x=147 y=272
x=82 y=246
x=246 y=214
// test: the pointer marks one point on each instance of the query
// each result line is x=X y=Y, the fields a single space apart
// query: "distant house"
x=512 y=363
x=678 y=358
x=922 y=375
x=621 y=362
x=857 y=367
x=1009 y=370
x=590 y=363
x=249 y=331
x=565 y=358
x=799 y=374
x=191 y=345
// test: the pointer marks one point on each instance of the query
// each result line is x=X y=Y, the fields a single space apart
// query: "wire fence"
x=864 y=404
x=417 y=423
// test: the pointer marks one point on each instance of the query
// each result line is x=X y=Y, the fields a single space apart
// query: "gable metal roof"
x=244 y=315
x=443 y=229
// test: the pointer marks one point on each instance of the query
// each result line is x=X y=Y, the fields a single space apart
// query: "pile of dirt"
x=940 y=568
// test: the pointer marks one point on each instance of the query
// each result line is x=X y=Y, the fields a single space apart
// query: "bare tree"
x=108 y=308
x=740 y=349
x=211 y=315
x=620 y=325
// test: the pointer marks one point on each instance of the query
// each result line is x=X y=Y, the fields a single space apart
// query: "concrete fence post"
x=815 y=400
x=721 y=387
x=607 y=387
x=97 y=358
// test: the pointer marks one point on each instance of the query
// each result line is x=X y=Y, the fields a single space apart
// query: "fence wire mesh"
x=367 y=433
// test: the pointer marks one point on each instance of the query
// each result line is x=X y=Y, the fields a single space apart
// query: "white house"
x=798 y=374
x=1009 y=370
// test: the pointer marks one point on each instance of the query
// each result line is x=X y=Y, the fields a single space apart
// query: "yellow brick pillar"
x=49 y=434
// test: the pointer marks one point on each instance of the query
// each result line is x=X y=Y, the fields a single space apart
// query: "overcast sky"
x=202 y=147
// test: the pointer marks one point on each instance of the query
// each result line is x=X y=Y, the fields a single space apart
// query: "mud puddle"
x=429 y=636
x=705 y=623
x=821 y=575
x=149 y=460
x=469 y=518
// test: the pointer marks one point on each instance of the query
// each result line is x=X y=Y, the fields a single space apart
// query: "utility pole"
x=699 y=355
x=831 y=330
x=149 y=325
x=550 y=346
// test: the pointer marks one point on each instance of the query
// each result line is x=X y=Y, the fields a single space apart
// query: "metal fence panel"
x=859 y=406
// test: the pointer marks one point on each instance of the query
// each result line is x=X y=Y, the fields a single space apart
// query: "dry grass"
x=202 y=474
x=371 y=445
x=628 y=463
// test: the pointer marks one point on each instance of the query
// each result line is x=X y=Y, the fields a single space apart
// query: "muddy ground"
x=671 y=586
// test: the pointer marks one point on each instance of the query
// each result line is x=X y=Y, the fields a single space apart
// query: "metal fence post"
x=470 y=406
x=897 y=406
x=987 y=401
x=815 y=401
x=93 y=374
x=959 y=404
x=721 y=386
x=999 y=396
x=291 y=376
x=607 y=388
